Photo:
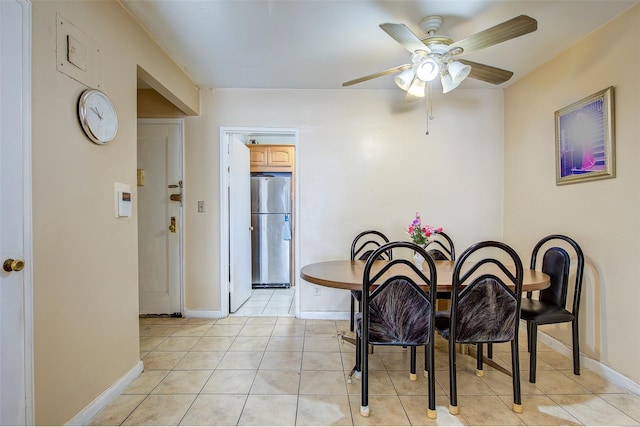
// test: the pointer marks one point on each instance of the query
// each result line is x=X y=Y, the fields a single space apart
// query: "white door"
x=15 y=214
x=160 y=217
x=239 y=224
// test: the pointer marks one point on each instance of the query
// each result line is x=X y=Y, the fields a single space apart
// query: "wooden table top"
x=346 y=274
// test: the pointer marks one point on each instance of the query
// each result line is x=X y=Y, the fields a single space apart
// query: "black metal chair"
x=485 y=308
x=551 y=305
x=361 y=247
x=441 y=247
x=396 y=311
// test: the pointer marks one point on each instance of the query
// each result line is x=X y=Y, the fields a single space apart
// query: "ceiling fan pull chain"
x=429 y=105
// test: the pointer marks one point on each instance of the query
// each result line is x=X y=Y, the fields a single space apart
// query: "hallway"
x=261 y=370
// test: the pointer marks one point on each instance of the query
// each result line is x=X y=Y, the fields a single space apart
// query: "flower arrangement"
x=420 y=233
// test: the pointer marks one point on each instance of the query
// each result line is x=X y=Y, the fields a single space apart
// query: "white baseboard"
x=594 y=366
x=84 y=417
x=204 y=314
x=324 y=315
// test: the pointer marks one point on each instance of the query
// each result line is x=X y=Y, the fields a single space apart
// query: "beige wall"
x=364 y=161
x=603 y=216
x=85 y=260
x=152 y=105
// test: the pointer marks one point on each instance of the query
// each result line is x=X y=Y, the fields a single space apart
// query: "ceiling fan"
x=439 y=56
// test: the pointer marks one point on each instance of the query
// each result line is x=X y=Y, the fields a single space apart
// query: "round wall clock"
x=97 y=116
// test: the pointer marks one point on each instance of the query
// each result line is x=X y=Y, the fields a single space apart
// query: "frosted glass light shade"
x=404 y=79
x=417 y=88
x=447 y=83
x=427 y=70
x=458 y=71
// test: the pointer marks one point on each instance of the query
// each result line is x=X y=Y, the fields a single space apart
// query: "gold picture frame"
x=585 y=139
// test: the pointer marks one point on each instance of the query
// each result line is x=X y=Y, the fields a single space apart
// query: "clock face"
x=97 y=116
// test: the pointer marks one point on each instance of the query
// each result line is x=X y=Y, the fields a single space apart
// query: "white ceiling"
x=319 y=44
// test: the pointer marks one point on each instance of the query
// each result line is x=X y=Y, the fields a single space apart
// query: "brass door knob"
x=13 y=265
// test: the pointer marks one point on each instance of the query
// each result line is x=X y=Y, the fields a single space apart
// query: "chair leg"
x=576 y=347
x=529 y=323
x=490 y=350
x=429 y=355
x=364 y=366
x=353 y=309
x=357 y=368
x=515 y=374
x=479 y=368
x=412 y=372
x=533 y=342
x=453 y=389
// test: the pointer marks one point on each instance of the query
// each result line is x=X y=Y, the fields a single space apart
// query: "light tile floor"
x=245 y=370
x=269 y=302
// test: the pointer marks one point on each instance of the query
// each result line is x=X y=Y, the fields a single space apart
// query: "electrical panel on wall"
x=77 y=55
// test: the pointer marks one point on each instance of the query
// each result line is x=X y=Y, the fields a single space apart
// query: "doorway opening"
x=160 y=217
x=265 y=298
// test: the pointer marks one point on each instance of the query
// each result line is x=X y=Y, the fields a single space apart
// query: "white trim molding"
x=91 y=410
x=594 y=366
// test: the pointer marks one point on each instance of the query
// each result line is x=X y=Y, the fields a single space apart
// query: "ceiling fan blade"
x=376 y=75
x=405 y=37
x=487 y=73
x=516 y=27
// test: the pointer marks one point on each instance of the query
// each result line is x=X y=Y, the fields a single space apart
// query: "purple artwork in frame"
x=585 y=140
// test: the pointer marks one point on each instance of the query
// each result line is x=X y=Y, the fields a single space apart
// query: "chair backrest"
x=486 y=294
x=441 y=247
x=395 y=309
x=556 y=262
x=366 y=243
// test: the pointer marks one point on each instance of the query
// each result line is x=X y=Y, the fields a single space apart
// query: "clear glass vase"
x=418 y=260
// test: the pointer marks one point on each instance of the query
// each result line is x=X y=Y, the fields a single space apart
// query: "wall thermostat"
x=124 y=203
x=123 y=198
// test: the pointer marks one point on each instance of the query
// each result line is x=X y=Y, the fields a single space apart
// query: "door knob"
x=172 y=225
x=13 y=265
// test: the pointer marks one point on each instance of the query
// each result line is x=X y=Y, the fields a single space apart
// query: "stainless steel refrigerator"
x=271 y=235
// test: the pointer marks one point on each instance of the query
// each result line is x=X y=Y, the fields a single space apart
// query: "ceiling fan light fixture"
x=418 y=56
x=447 y=83
x=428 y=70
x=417 y=88
x=458 y=71
x=404 y=79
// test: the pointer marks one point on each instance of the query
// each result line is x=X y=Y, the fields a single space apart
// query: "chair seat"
x=442 y=323
x=542 y=313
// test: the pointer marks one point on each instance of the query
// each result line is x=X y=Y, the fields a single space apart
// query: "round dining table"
x=347 y=274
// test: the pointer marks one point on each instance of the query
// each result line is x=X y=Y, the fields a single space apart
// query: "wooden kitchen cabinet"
x=271 y=158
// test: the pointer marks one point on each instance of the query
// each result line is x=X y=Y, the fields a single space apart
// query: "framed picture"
x=585 y=139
